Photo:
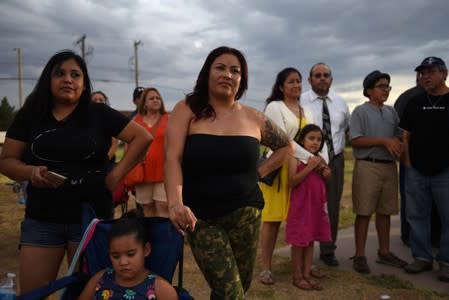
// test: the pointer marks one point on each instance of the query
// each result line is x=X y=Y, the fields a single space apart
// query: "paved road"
x=345 y=249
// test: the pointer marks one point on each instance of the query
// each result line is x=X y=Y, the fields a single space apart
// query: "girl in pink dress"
x=307 y=219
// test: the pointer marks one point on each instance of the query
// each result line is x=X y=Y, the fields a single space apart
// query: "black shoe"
x=390 y=259
x=418 y=266
x=329 y=259
x=360 y=264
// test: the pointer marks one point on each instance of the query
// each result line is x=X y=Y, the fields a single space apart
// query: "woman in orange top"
x=153 y=117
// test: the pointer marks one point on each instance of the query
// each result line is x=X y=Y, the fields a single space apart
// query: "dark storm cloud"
x=353 y=36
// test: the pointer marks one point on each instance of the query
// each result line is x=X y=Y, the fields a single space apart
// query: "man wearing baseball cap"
x=136 y=96
x=425 y=122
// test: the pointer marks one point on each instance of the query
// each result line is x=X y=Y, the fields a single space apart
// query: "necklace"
x=434 y=103
x=295 y=109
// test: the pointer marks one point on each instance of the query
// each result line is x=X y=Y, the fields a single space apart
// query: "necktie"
x=327 y=129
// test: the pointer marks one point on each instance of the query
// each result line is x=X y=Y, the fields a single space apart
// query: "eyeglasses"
x=319 y=75
x=384 y=87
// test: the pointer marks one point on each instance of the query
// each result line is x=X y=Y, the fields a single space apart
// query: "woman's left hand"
x=182 y=217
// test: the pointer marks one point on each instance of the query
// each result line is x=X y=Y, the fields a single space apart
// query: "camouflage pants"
x=225 y=250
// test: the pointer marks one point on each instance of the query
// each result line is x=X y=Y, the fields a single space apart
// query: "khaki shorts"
x=375 y=188
x=149 y=192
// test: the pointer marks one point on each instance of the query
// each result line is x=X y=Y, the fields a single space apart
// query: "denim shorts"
x=45 y=234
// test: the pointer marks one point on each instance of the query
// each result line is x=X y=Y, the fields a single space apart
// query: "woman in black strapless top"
x=211 y=172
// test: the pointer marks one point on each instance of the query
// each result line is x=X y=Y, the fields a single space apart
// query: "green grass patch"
x=347 y=217
x=119 y=152
x=389 y=282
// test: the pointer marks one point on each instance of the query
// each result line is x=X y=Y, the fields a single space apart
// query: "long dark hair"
x=310 y=128
x=198 y=100
x=276 y=93
x=40 y=101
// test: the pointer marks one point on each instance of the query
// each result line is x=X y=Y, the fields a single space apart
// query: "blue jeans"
x=421 y=190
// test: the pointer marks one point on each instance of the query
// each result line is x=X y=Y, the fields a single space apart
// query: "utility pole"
x=19 y=66
x=136 y=62
x=81 y=41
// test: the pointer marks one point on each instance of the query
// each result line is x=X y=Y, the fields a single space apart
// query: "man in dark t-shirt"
x=400 y=106
x=425 y=122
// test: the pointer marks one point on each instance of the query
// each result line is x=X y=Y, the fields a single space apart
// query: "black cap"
x=137 y=92
x=371 y=79
x=431 y=61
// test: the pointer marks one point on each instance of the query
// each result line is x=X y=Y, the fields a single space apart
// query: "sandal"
x=303 y=284
x=317 y=273
x=315 y=284
x=266 y=277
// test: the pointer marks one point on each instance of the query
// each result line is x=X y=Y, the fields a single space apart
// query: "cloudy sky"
x=353 y=37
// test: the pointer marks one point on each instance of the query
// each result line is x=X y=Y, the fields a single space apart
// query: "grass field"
x=340 y=285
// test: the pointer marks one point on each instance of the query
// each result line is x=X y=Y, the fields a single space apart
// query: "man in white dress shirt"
x=320 y=79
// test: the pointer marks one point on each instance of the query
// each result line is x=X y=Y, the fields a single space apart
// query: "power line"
x=108 y=80
x=17 y=78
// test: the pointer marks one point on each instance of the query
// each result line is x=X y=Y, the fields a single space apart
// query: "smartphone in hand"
x=56 y=178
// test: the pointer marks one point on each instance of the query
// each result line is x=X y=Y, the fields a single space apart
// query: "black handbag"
x=270 y=177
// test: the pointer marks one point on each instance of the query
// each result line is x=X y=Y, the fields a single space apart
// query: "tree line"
x=7 y=113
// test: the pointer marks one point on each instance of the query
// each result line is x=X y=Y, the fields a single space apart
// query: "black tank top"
x=220 y=174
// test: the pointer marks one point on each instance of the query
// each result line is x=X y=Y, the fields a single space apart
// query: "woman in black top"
x=211 y=172
x=60 y=131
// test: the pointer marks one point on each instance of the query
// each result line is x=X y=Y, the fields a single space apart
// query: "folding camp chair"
x=92 y=254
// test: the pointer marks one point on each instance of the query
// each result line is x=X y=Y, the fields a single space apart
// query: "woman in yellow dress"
x=283 y=107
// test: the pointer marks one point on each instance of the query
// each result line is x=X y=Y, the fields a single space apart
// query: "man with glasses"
x=425 y=122
x=376 y=141
x=334 y=113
